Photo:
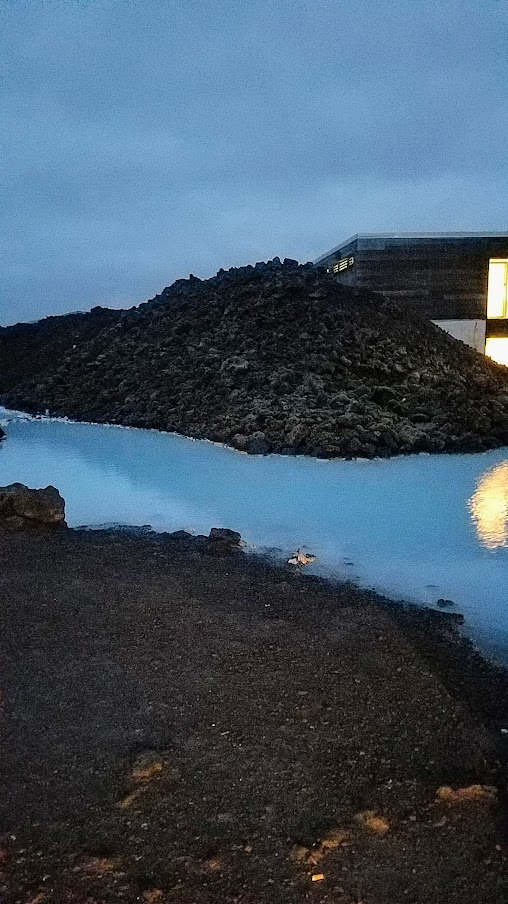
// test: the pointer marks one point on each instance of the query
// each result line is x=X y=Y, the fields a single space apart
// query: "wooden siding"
x=443 y=278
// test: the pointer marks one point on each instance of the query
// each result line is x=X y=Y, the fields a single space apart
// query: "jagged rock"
x=297 y=434
x=224 y=533
x=257 y=443
x=21 y=506
x=2 y=434
x=240 y=442
x=275 y=357
x=222 y=541
x=182 y=535
x=13 y=522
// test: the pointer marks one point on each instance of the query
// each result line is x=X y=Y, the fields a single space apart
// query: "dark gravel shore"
x=184 y=727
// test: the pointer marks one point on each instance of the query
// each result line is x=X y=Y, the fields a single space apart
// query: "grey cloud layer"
x=146 y=140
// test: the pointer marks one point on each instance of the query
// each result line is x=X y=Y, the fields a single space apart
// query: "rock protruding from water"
x=2 y=434
x=275 y=357
x=22 y=507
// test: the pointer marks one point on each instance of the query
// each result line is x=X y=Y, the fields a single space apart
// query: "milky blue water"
x=416 y=527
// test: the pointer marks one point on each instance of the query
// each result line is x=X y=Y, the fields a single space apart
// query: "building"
x=459 y=280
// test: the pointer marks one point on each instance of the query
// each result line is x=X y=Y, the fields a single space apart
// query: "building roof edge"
x=411 y=235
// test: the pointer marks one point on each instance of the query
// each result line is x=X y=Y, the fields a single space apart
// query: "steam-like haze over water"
x=416 y=527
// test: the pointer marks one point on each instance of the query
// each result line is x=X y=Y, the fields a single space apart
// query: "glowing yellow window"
x=497 y=349
x=497 y=294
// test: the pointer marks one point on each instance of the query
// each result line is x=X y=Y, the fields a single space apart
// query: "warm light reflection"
x=497 y=349
x=489 y=507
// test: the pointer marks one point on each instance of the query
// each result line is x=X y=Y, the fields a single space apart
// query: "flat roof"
x=413 y=235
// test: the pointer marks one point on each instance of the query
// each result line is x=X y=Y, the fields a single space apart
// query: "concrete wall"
x=472 y=332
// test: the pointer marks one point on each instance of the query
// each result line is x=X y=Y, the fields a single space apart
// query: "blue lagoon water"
x=417 y=527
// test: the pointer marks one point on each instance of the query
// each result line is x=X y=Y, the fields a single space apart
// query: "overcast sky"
x=142 y=141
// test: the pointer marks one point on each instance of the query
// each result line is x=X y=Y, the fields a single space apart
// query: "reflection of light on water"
x=489 y=507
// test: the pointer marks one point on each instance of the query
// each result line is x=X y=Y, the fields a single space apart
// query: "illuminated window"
x=497 y=297
x=497 y=349
x=343 y=264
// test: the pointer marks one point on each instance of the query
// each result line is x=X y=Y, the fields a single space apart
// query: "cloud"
x=147 y=140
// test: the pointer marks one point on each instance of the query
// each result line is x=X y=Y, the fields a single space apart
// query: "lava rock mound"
x=276 y=357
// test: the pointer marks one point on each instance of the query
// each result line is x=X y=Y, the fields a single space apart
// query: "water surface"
x=417 y=527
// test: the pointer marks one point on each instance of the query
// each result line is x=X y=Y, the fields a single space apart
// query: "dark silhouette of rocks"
x=276 y=357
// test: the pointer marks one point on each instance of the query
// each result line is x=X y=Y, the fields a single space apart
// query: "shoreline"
x=22 y=414
x=275 y=707
x=238 y=378
x=347 y=537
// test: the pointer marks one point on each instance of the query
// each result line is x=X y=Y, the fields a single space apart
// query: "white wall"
x=472 y=332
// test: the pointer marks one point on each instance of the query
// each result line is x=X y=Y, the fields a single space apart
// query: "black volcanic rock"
x=272 y=357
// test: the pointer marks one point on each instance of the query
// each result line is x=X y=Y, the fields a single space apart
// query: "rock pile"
x=21 y=507
x=276 y=357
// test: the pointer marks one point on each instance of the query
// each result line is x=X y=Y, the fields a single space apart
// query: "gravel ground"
x=179 y=727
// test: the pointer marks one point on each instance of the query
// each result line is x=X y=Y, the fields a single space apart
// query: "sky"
x=143 y=141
